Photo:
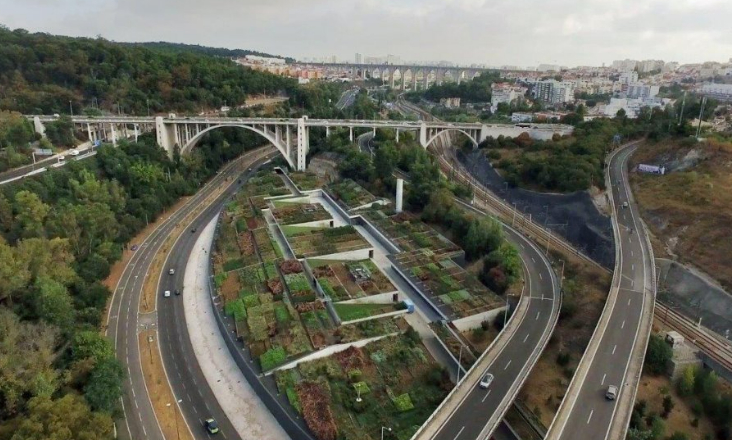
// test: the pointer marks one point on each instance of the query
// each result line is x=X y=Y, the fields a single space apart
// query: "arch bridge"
x=291 y=136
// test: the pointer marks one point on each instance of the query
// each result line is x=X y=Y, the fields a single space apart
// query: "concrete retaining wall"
x=475 y=321
x=382 y=298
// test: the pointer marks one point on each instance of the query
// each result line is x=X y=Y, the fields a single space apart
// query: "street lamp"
x=382 y=431
x=460 y=363
x=358 y=395
x=71 y=109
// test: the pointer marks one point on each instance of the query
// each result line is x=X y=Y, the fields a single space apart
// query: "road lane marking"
x=532 y=259
x=622 y=325
x=628 y=301
x=509 y=363
x=459 y=432
x=632 y=267
x=526 y=337
x=603 y=379
x=537 y=315
x=540 y=277
x=590 y=417
x=631 y=253
x=486 y=396
x=614 y=347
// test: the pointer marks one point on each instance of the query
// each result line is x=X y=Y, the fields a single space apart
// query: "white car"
x=611 y=393
x=171 y=272
x=486 y=381
x=74 y=152
x=166 y=294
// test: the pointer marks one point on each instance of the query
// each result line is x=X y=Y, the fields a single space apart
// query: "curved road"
x=482 y=409
x=125 y=322
x=618 y=358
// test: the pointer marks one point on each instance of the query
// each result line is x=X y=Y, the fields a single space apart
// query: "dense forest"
x=42 y=73
x=60 y=233
x=206 y=50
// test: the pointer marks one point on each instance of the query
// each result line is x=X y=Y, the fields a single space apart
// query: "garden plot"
x=409 y=233
x=448 y=284
x=356 y=311
x=351 y=194
x=345 y=280
x=312 y=242
x=305 y=181
x=396 y=381
x=298 y=213
x=264 y=183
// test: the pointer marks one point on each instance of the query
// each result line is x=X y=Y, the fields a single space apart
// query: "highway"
x=43 y=165
x=479 y=413
x=125 y=322
x=347 y=98
x=585 y=412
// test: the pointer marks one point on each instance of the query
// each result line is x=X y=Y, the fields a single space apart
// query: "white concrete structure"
x=552 y=91
x=722 y=92
x=399 y=194
x=640 y=90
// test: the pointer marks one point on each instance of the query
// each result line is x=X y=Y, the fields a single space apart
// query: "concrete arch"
x=270 y=137
x=429 y=141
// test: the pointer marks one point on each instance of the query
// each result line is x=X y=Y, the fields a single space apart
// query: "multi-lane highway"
x=125 y=322
x=43 y=165
x=621 y=336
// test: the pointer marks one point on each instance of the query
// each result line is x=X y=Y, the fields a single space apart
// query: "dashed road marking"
x=486 y=396
x=509 y=363
x=590 y=417
x=603 y=379
x=459 y=432
x=622 y=325
x=614 y=348
x=526 y=337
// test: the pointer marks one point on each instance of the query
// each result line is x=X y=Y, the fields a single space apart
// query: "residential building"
x=504 y=93
x=721 y=92
x=359 y=58
x=640 y=90
x=646 y=66
x=632 y=106
x=522 y=117
x=624 y=65
x=554 y=92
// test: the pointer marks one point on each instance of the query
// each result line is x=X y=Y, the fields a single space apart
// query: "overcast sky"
x=494 y=32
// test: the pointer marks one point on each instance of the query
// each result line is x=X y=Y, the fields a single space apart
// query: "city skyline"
x=459 y=31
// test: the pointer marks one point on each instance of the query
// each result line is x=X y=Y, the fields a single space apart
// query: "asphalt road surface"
x=591 y=413
x=474 y=412
x=125 y=322
x=58 y=160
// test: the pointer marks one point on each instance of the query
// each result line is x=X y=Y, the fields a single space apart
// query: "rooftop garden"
x=410 y=233
x=297 y=213
x=351 y=193
x=310 y=242
x=448 y=283
x=354 y=311
x=305 y=181
x=390 y=382
x=346 y=280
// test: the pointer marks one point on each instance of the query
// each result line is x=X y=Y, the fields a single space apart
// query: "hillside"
x=689 y=209
x=42 y=73
x=206 y=50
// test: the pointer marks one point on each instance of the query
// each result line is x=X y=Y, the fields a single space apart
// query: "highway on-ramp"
x=585 y=412
x=480 y=412
x=125 y=322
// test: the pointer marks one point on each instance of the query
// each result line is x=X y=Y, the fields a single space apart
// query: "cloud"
x=522 y=32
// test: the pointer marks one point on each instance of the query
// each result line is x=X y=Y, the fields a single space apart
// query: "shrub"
x=234 y=264
x=403 y=402
x=293 y=399
x=563 y=359
x=272 y=358
x=668 y=406
x=658 y=356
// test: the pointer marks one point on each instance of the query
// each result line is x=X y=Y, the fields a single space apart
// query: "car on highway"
x=486 y=381
x=171 y=271
x=611 y=393
x=74 y=152
x=177 y=291
x=625 y=204
x=211 y=426
x=166 y=294
x=193 y=230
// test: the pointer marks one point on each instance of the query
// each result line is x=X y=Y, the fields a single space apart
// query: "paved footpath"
x=243 y=407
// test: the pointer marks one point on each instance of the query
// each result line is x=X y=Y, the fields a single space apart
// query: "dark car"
x=211 y=426
x=193 y=230
x=177 y=291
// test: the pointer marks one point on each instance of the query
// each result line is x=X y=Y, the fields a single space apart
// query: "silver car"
x=611 y=393
x=486 y=381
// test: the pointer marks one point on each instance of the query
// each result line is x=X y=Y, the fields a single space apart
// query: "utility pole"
x=681 y=113
x=71 y=109
x=701 y=113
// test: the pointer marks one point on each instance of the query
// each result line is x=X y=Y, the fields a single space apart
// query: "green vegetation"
x=41 y=73
x=272 y=358
x=700 y=388
x=477 y=90
x=351 y=312
x=16 y=134
x=658 y=356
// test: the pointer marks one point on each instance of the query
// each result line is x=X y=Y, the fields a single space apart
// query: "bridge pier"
x=350 y=134
x=397 y=135
x=303 y=143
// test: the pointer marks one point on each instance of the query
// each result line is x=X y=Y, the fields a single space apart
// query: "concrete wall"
x=376 y=233
x=475 y=321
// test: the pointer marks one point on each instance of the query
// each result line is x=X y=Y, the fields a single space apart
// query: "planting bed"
x=398 y=383
x=305 y=181
x=344 y=280
x=351 y=312
x=311 y=242
x=351 y=193
x=409 y=233
x=447 y=283
x=297 y=213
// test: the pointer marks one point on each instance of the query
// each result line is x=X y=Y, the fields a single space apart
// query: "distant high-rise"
x=359 y=58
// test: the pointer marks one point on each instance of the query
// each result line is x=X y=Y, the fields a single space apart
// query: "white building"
x=554 y=92
x=632 y=106
x=624 y=65
x=359 y=58
x=521 y=117
x=254 y=59
x=721 y=92
x=503 y=93
x=640 y=90
x=628 y=77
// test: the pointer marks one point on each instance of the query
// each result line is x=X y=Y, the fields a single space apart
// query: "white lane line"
x=522 y=245
x=537 y=315
x=603 y=379
x=614 y=348
x=486 y=396
x=622 y=325
x=630 y=240
x=628 y=301
x=526 y=337
x=532 y=259
x=632 y=267
x=509 y=363
x=590 y=417
x=540 y=277
x=631 y=253
x=459 y=432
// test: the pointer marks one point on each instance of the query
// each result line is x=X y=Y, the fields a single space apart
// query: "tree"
x=658 y=355
x=66 y=418
x=105 y=386
x=685 y=383
x=30 y=214
x=91 y=344
x=14 y=274
x=385 y=160
x=54 y=304
x=668 y=406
